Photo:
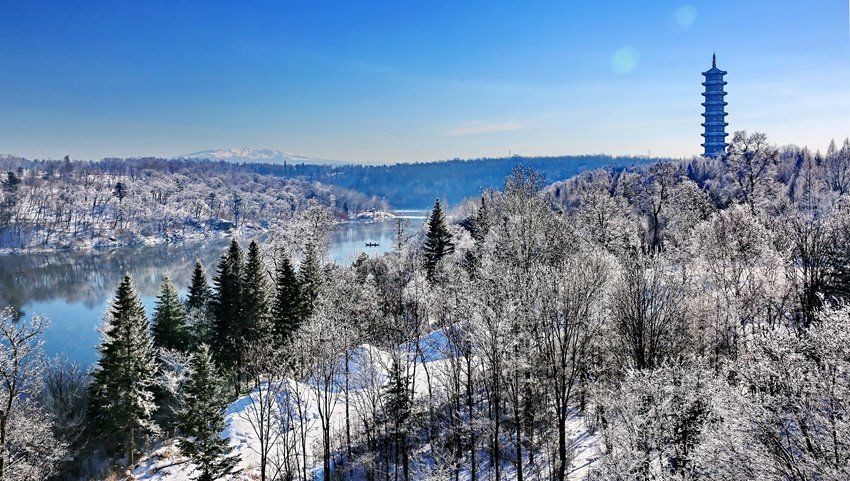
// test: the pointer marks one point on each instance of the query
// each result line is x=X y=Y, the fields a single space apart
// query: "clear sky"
x=408 y=80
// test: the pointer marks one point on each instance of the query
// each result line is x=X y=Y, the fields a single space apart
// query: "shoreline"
x=366 y=217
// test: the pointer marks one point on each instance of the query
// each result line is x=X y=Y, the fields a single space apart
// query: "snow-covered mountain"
x=256 y=156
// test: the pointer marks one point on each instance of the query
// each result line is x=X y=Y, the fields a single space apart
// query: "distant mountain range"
x=257 y=156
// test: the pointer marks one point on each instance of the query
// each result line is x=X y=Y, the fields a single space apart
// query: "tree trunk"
x=347 y=418
x=130 y=454
x=3 y=420
x=562 y=445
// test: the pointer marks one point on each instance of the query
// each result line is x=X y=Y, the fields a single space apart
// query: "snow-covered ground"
x=374 y=216
x=367 y=364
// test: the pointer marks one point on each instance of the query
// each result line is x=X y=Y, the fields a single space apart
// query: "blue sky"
x=408 y=81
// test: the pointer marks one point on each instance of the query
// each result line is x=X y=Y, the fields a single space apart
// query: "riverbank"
x=217 y=229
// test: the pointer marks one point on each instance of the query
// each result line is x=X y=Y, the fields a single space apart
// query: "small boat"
x=372 y=244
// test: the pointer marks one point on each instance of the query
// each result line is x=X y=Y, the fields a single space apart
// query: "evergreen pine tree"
x=202 y=421
x=169 y=334
x=397 y=395
x=226 y=307
x=310 y=280
x=398 y=411
x=199 y=290
x=122 y=388
x=285 y=308
x=478 y=225
x=255 y=298
x=169 y=320
x=198 y=307
x=438 y=241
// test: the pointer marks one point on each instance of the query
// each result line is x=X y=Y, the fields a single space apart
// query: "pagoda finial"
x=714 y=60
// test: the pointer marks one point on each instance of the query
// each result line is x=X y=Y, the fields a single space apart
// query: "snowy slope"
x=165 y=464
x=255 y=156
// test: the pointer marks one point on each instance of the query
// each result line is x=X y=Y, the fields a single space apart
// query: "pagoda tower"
x=715 y=111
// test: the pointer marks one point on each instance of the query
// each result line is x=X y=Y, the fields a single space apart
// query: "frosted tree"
x=267 y=405
x=256 y=307
x=198 y=306
x=398 y=409
x=202 y=421
x=65 y=397
x=286 y=312
x=605 y=217
x=322 y=342
x=836 y=167
x=226 y=308
x=647 y=309
x=174 y=370
x=573 y=304
x=438 y=240
x=125 y=374
x=28 y=448
x=169 y=320
x=750 y=162
x=310 y=279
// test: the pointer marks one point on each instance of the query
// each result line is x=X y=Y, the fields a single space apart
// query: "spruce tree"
x=169 y=334
x=199 y=290
x=198 y=306
x=479 y=226
x=398 y=407
x=255 y=298
x=310 y=280
x=202 y=421
x=286 y=306
x=122 y=399
x=226 y=307
x=438 y=241
x=169 y=320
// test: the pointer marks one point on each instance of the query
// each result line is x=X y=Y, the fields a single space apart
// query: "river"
x=74 y=289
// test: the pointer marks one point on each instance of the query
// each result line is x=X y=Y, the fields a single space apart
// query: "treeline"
x=73 y=204
x=689 y=318
x=414 y=185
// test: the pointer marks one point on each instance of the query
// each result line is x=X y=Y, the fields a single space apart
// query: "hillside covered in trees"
x=72 y=204
x=675 y=321
x=415 y=185
x=66 y=204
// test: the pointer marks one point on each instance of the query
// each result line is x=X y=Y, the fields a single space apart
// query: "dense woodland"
x=690 y=317
x=74 y=204
x=415 y=185
x=401 y=185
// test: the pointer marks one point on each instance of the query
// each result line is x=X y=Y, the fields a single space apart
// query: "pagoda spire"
x=715 y=111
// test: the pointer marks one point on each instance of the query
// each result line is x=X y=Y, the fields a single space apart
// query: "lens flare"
x=625 y=60
x=683 y=18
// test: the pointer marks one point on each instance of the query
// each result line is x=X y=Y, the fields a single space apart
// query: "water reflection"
x=74 y=289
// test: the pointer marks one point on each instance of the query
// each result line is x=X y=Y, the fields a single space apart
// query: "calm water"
x=74 y=289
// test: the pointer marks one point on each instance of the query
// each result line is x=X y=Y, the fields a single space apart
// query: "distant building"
x=715 y=111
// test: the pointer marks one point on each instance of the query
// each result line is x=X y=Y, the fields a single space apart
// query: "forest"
x=679 y=320
x=415 y=185
x=67 y=204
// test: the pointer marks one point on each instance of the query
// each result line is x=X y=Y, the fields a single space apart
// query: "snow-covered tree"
x=286 y=311
x=169 y=320
x=202 y=420
x=226 y=309
x=438 y=240
x=122 y=397
x=28 y=447
x=256 y=308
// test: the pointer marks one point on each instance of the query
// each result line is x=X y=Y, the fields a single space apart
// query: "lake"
x=74 y=289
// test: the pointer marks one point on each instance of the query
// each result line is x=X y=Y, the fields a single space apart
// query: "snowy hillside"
x=257 y=156
x=368 y=369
